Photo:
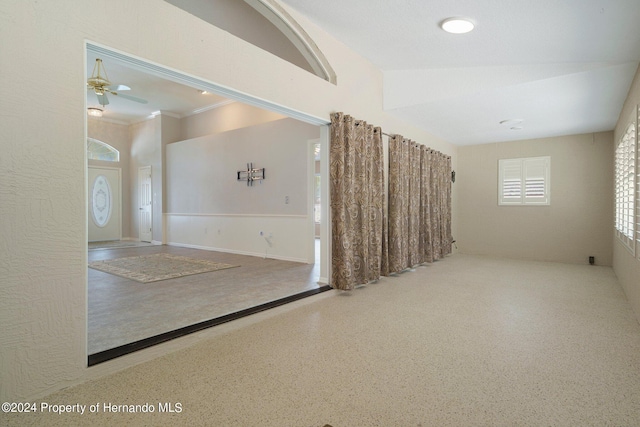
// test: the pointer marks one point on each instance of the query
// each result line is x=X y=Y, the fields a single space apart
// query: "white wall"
x=43 y=260
x=626 y=266
x=224 y=118
x=208 y=207
x=575 y=226
x=242 y=20
x=146 y=150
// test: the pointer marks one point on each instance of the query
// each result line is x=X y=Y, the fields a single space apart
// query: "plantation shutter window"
x=638 y=199
x=638 y=191
x=524 y=181
x=625 y=180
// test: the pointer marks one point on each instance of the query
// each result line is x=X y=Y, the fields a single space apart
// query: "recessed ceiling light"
x=457 y=25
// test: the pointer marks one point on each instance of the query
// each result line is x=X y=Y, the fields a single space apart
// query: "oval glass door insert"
x=101 y=201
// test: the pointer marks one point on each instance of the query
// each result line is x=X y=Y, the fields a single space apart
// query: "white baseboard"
x=232 y=251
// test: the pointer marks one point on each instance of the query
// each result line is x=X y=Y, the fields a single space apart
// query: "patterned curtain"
x=415 y=257
x=398 y=215
x=440 y=205
x=419 y=204
x=357 y=202
x=426 y=250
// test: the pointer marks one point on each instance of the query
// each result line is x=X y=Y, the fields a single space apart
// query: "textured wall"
x=42 y=168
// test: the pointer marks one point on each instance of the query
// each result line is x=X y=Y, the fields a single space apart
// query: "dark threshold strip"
x=122 y=350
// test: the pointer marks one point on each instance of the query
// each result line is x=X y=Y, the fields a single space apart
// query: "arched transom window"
x=98 y=150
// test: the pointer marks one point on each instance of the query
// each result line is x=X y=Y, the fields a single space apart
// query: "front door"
x=104 y=204
x=145 y=198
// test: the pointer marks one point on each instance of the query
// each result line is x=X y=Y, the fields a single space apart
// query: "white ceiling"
x=561 y=66
x=169 y=97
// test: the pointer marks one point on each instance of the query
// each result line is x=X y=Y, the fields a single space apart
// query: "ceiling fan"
x=100 y=84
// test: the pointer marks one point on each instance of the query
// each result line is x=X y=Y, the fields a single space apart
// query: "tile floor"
x=122 y=311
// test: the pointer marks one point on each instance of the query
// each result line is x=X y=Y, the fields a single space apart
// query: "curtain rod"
x=357 y=123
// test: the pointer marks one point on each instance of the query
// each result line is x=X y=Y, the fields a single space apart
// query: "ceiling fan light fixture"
x=457 y=25
x=94 y=112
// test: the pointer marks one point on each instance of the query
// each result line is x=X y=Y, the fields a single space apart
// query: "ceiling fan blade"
x=130 y=98
x=102 y=99
x=119 y=87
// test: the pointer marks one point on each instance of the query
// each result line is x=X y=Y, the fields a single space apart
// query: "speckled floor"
x=467 y=341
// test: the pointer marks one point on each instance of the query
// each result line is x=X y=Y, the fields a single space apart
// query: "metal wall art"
x=251 y=174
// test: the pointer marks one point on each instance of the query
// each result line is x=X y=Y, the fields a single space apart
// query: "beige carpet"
x=156 y=267
x=467 y=341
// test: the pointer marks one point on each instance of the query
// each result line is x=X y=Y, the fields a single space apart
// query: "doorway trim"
x=182 y=78
x=141 y=208
x=188 y=80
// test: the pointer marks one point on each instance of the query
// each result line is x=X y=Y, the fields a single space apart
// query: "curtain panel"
x=440 y=209
x=398 y=219
x=357 y=202
x=366 y=243
x=419 y=214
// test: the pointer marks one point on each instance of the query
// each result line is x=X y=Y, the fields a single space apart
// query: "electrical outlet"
x=286 y=200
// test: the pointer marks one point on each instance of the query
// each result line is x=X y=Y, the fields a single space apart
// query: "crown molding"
x=209 y=107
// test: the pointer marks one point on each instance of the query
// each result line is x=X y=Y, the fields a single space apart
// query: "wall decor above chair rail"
x=251 y=174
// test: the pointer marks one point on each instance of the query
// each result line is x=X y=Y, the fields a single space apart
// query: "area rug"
x=156 y=267
x=116 y=244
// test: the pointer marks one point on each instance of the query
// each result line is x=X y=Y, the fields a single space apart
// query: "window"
x=625 y=187
x=98 y=150
x=524 y=181
x=638 y=191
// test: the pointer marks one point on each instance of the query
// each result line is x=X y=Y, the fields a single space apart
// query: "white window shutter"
x=510 y=180
x=536 y=180
x=637 y=192
x=625 y=181
x=524 y=181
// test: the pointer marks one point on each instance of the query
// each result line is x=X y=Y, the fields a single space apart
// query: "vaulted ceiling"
x=550 y=67
x=556 y=66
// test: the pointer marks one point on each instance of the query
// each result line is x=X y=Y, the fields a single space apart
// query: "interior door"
x=104 y=210
x=146 y=199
